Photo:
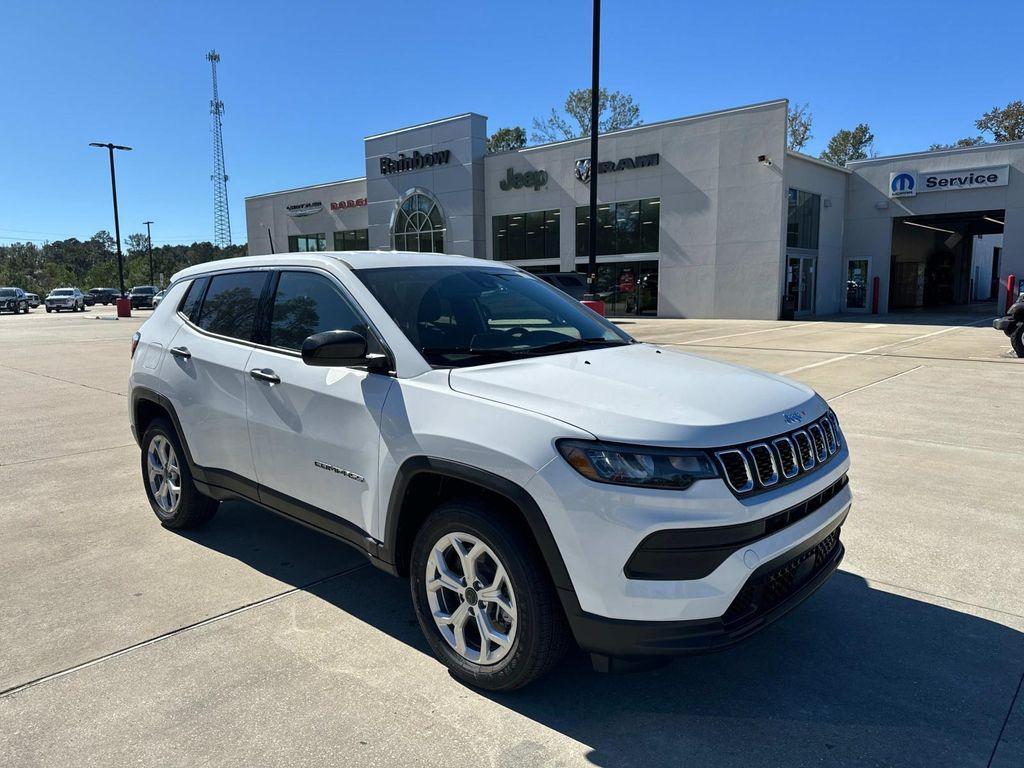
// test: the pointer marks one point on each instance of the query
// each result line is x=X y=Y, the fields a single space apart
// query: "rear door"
x=315 y=431
x=205 y=373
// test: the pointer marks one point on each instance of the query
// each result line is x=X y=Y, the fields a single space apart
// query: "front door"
x=800 y=283
x=856 y=285
x=315 y=431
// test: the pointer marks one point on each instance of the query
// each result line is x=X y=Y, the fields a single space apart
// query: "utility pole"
x=221 y=214
x=149 y=243
x=595 y=111
x=117 y=225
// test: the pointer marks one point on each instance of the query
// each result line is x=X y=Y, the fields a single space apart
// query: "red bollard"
x=874 y=295
x=124 y=307
x=1010 y=280
x=597 y=306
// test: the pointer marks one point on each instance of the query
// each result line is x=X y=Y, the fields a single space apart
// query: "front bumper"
x=1003 y=323
x=772 y=591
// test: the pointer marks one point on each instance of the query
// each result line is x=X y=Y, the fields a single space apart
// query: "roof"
x=936 y=152
x=306 y=189
x=350 y=259
x=817 y=161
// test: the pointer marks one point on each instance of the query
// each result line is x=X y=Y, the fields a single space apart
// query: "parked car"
x=573 y=283
x=13 y=300
x=158 y=298
x=88 y=299
x=104 y=296
x=33 y=300
x=142 y=295
x=539 y=475
x=1012 y=324
x=65 y=298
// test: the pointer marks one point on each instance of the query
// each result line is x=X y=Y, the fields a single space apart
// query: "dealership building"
x=703 y=216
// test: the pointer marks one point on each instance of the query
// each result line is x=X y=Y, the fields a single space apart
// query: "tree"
x=505 y=139
x=616 y=110
x=1004 y=123
x=849 y=145
x=969 y=141
x=798 y=126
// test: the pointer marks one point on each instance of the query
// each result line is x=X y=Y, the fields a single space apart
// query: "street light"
x=594 y=113
x=117 y=225
x=149 y=244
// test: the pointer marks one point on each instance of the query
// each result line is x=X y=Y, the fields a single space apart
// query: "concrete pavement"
x=256 y=642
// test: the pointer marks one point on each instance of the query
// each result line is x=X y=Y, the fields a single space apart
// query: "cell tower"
x=221 y=215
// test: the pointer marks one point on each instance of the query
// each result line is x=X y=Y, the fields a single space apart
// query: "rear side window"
x=229 y=308
x=306 y=303
x=192 y=297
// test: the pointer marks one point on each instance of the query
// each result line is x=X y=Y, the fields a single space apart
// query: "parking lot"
x=254 y=642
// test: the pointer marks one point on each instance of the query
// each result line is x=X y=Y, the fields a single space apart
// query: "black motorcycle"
x=1012 y=324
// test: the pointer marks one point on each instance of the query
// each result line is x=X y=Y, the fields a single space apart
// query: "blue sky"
x=304 y=82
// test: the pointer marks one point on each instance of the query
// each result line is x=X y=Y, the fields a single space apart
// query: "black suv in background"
x=142 y=296
x=102 y=296
x=13 y=300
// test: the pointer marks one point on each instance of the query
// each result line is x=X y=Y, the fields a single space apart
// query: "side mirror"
x=335 y=348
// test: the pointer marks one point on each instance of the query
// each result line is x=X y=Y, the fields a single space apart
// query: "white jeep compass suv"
x=539 y=475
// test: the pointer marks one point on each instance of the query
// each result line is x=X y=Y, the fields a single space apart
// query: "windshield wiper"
x=571 y=344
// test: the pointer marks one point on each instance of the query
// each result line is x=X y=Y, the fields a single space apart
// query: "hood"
x=646 y=394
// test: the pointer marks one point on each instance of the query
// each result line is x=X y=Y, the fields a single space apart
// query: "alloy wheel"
x=164 y=474
x=471 y=598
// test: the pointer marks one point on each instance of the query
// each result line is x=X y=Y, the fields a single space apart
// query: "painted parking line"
x=748 y=333
x=883 y=346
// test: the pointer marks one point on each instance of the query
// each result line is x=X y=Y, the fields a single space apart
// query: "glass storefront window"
x=351 y=240
x=626 y=227
x=627 y=287
x=301 y=243
x=419 y=225
x=532 y=235
x=803 y=219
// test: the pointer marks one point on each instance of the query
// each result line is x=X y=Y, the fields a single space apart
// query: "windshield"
x=5 y=292
x=62 y=292
x=144 y=289
x=471 y=315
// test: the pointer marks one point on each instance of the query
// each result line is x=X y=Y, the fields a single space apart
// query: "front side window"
x=457 y=316
x=802 y=220
x=229 y=308
x=526 y=235
x=304 y=243
x=306 y=303
x=419 y=225
x=627 y=227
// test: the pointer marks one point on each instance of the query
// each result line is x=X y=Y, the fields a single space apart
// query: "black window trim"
x=234 y=339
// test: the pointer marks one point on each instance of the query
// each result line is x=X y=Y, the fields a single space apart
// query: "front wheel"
x=1017 y=340
x=484 y=599
x=173 y=496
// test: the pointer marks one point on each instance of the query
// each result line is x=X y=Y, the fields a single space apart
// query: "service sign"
x=910 y=183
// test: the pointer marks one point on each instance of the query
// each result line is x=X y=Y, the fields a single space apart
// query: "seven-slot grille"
x=765 y=464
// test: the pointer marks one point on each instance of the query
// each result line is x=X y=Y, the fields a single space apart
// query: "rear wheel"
x=173 y=496
x=484 y=599
x=1017 y=340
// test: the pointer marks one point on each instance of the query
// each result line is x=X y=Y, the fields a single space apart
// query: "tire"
x=1017 y=340
x=191 y=509
x=536 y=630
x=48 y=310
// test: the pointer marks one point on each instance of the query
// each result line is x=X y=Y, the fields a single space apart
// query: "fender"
x=517 y=495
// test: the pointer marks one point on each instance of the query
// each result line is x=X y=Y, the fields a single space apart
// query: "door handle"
x=181 y=352
x=265 y=374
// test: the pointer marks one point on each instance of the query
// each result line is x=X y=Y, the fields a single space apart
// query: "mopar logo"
x=902 y=184
x=794 y=417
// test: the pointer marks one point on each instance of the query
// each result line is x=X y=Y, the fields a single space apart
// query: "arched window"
x=419 y=225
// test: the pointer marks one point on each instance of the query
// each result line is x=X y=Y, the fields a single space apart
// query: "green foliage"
x=849 y=145
x=616 y=111
x=969 y=141
x=505 y=139
x=93 y=263
x=798 y=126
x=1004 y=123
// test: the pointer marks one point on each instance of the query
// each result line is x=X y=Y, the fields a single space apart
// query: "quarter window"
x=306 y=303
x=190 y=304
x=229 y=308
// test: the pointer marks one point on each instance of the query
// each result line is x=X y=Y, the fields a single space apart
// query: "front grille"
x=760 y=595
x=762 y=465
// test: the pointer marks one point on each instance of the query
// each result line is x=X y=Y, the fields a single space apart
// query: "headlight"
x=672 y=468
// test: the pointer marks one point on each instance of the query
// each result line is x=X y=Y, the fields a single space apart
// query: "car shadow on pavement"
x=854 y=676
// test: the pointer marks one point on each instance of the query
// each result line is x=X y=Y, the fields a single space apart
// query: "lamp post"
x=149 y=245
x=594 y=113
x=117 y=226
